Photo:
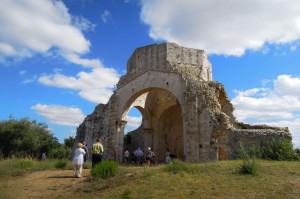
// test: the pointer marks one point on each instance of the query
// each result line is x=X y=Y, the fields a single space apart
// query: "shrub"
x=61 y=164
x=249 y=165
x=60 y=153
x=278 y=150
x=104 y=170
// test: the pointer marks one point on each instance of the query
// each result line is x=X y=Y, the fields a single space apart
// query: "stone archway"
x=162 y=123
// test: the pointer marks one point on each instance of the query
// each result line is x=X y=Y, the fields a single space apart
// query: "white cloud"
x=276 y=106
x=95 y=86
x=223 y=27
x=73 y=57
x=60 y=115
x=7 y=50
x=286 y=85
x=105 y=16
x=280 y=102
x=133 y=122
x=29 y=27
x=83 y=24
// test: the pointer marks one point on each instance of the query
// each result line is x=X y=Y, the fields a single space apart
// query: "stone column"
x=120 y=125
x=191 y=142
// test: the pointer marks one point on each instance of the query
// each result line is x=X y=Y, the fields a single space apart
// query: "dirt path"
x=42 y=184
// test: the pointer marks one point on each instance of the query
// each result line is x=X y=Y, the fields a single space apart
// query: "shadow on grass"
x=69 y=176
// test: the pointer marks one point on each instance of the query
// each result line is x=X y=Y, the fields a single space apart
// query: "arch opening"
x=134 y=120
x=162 y=123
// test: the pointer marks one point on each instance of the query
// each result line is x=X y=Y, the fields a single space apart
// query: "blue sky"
x=59 y=59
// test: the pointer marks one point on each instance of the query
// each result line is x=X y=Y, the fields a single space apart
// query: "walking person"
x=97 y=151
x=78 y=161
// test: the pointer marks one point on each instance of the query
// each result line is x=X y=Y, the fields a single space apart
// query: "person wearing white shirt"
x=78 y=161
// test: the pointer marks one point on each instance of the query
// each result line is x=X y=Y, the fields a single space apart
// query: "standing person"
x=138 y=154
x=97 y=151
x=126 y=155
x=78 y=161
x=85 y=148
x=149 y=155
x=44 y=156
x=168 y=156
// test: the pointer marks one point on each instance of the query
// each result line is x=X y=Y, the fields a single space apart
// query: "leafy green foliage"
x=60 y=152
x=249 y=165
x=104 y=170
x=25 y=138
x=69 y=142
x=278 y=150
x=297 y=151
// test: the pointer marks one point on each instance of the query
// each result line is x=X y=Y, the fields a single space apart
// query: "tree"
x=69 y=142
x=25 y=138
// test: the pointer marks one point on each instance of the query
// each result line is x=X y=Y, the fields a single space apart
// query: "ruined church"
x=182 y=110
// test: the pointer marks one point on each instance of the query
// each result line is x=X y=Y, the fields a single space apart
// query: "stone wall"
x=256 y=137
x=92 y=126
x=168 y=57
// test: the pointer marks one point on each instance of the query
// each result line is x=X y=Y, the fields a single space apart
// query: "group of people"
x=138 y=157
x=81 y=154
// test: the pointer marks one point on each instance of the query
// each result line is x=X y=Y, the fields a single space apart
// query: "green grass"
x=275 y=179
x=19 y=166
x=206 y=180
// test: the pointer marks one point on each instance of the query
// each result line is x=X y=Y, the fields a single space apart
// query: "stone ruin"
x=182 y=108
